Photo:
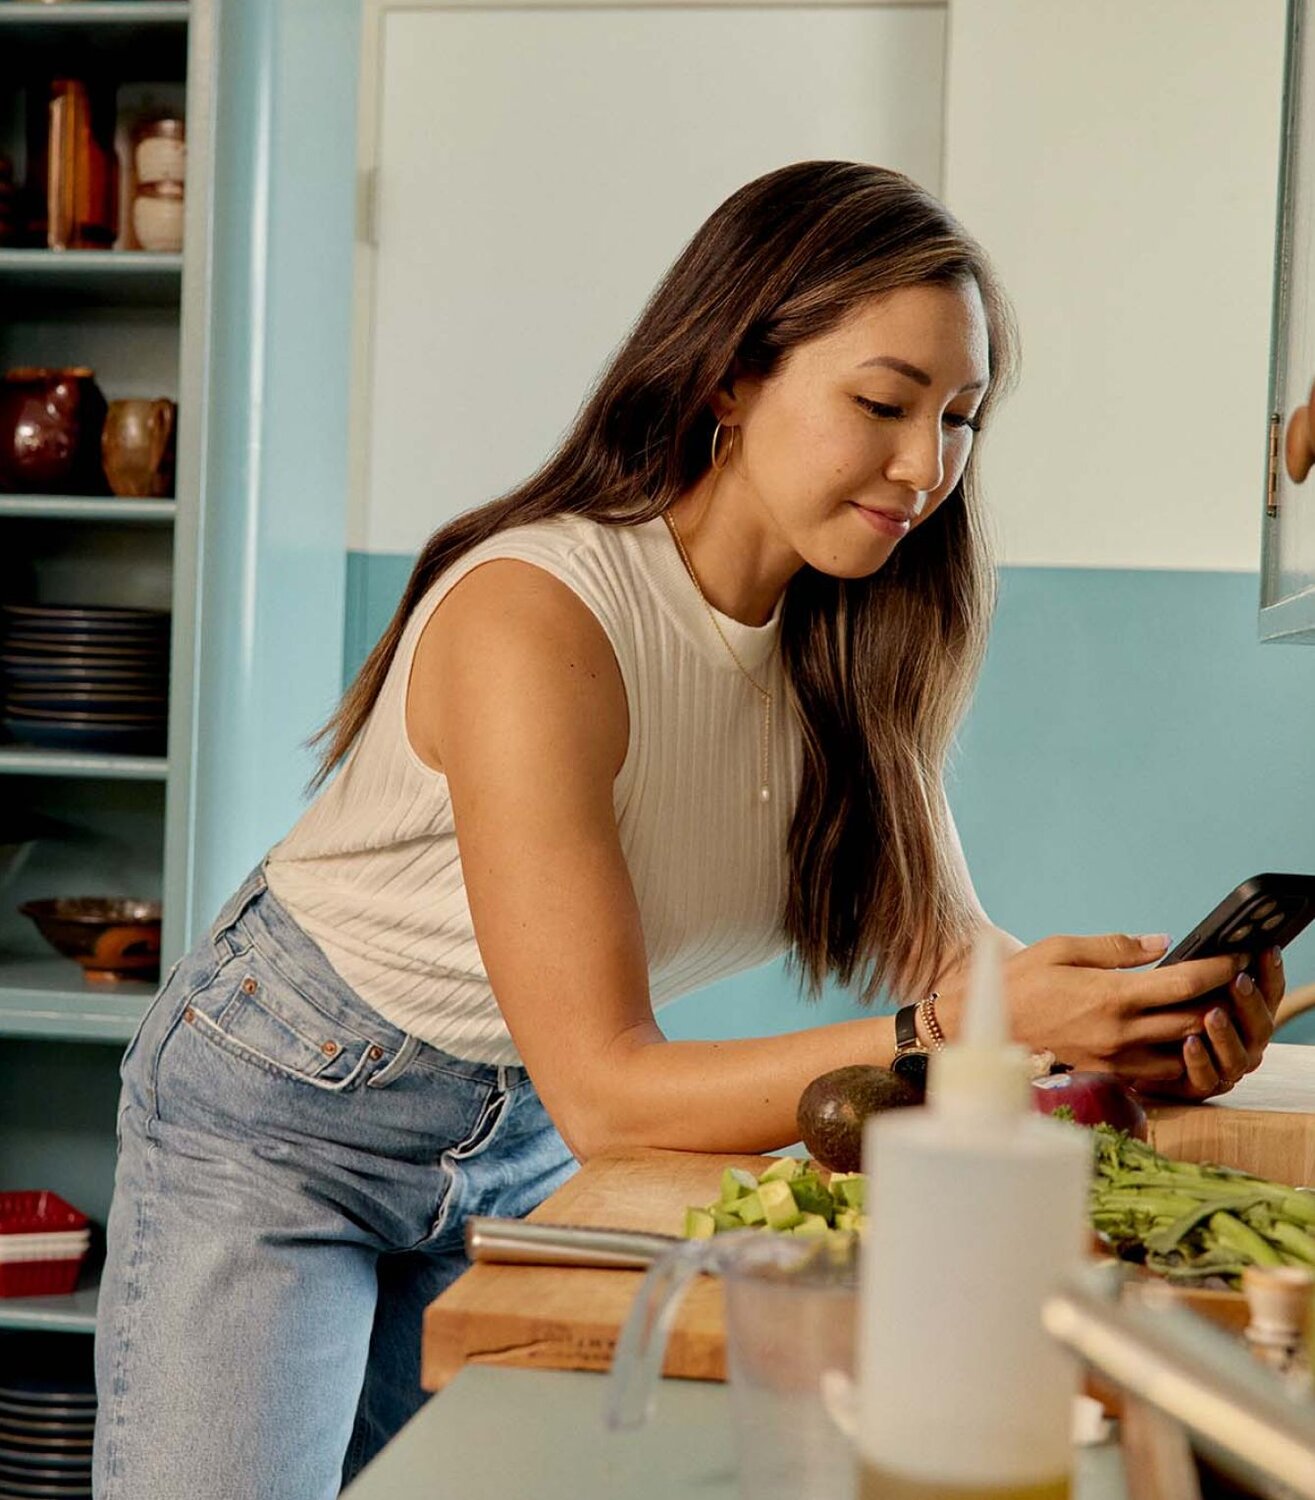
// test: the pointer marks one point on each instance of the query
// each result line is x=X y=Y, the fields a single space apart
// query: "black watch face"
x=912 y=1067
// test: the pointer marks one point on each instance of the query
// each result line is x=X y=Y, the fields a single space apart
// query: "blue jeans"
x=293 y=1175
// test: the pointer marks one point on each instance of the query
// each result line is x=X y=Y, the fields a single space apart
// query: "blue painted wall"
x=1132 y=753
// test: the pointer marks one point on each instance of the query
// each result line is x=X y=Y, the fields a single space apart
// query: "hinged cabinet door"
x=1288 y=546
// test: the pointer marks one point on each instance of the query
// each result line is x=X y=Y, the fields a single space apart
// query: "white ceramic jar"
x=157 y=216
x=160 y=151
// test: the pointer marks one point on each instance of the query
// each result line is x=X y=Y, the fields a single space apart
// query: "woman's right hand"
x=1071 y=995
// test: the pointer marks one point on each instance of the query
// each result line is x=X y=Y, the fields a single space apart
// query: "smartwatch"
x=910 y=1060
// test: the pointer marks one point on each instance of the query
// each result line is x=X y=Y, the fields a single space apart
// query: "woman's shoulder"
x=565 y=536
x=596 y=561
x=580 y=556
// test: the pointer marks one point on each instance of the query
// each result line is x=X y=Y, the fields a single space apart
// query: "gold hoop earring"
x=726 y=456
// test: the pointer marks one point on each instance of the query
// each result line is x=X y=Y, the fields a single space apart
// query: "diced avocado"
x=735 y=1183
x=849 y=1188
x=811 y=1197
x=847 y=1218
x=811 y=1224
x=838 y=1246
x=783 y=1169
x=778 y=1204
x=724 y=1219
x=699 y=1224
x=749 y=1209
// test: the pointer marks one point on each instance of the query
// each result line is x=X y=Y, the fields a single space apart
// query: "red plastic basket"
x=39 y=1212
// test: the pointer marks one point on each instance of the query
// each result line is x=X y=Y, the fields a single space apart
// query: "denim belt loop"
x=231 y=912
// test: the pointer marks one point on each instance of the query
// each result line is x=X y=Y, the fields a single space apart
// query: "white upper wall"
x=1119 y=161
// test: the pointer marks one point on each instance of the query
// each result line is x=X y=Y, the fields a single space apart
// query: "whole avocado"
x=833 y=1107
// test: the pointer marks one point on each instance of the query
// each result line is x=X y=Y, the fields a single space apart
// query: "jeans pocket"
x=257 y=1015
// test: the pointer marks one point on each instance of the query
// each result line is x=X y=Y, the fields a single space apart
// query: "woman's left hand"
x=1233 y=1043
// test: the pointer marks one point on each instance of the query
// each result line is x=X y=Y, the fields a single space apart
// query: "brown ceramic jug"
x=50 y=426
x=137 y=448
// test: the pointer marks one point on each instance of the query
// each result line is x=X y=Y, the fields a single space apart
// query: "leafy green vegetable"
x=1190 y=1221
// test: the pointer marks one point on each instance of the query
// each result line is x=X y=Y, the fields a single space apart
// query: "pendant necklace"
x=764 y=695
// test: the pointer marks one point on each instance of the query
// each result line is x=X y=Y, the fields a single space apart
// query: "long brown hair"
x=881 y=669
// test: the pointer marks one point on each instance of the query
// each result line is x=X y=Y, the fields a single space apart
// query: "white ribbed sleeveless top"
x=372 y=870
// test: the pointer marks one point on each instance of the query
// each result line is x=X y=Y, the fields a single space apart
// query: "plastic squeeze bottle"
x=977 y=1207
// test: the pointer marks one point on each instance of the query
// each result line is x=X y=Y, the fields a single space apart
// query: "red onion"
x=1094 y=1099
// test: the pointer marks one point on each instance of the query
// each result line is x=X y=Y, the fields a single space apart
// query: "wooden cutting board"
x=1265 y=1125
x=568 y=1318
x=546 y=1317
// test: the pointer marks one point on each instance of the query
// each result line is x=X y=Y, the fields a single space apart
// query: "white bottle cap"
x=982 y=1074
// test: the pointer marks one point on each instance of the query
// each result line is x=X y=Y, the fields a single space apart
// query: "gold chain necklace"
x=764 y=695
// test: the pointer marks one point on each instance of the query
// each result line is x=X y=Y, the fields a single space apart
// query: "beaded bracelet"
x=927 y=1010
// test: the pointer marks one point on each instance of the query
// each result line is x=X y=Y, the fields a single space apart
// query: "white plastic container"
x=977 y=1208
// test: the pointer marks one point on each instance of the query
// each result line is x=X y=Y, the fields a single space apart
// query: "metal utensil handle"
x=515 y=1242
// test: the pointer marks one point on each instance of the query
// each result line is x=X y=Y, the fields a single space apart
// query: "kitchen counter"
x=508 y=1428
x=546 y=1318
x=494 y=1433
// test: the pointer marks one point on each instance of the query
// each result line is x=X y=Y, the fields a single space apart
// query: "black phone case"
x=1267 y=911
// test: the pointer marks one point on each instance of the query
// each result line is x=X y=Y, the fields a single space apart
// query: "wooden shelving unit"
x=109 y=823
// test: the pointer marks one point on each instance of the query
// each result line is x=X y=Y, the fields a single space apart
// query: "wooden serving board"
x=1265 y=1125
x=568 y=1318
x=549 y=1317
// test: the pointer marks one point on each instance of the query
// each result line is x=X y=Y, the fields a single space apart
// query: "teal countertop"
x=500 y=1432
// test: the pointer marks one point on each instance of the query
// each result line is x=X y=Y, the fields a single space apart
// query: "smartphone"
x=1267 y=911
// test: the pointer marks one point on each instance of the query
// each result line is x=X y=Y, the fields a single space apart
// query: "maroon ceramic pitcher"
x=50 y=427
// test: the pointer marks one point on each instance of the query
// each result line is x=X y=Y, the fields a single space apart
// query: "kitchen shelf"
x=46 y=997
x=87 y=508
x=137 y=277
x=19 y=760
x=74 y=1312
x=40 y=13
x=150 y=36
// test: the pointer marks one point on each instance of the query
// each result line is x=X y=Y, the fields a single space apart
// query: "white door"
x=536 y=171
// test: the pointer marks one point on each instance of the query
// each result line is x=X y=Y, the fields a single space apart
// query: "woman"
x=679 y=703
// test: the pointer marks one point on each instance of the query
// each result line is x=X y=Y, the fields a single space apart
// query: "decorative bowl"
x=112 y=937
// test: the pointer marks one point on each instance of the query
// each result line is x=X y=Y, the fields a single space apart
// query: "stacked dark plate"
x=47 y=1417
x=84 y=677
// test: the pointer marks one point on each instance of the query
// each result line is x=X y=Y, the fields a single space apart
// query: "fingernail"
x=1216 y=1020
x=1195 y=1045
x=1245 y=984
x=1154 y=942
